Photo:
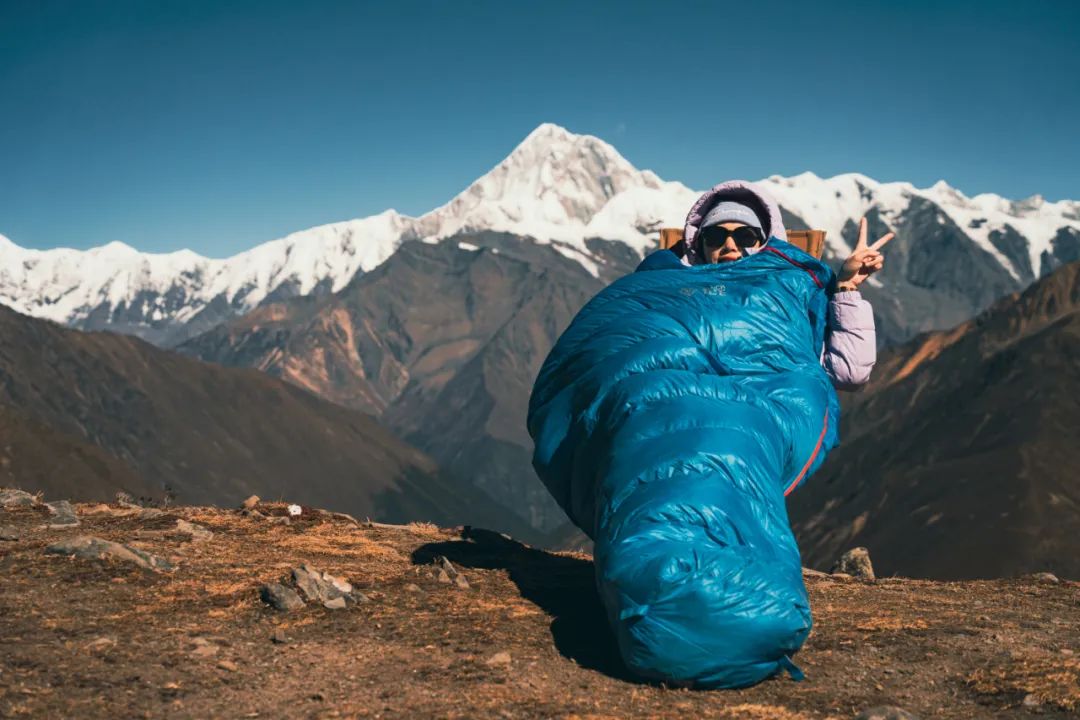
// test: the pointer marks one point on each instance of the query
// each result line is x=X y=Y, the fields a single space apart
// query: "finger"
x=861 y=243
x=882 y=240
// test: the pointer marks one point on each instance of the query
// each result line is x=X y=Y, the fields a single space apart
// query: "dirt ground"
x=84 y=638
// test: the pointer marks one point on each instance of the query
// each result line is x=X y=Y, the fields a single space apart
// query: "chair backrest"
x=811 y=241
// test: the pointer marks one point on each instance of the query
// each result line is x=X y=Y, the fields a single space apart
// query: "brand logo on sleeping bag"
x=707 y=290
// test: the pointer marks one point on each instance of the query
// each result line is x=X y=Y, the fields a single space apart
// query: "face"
x=729 y=251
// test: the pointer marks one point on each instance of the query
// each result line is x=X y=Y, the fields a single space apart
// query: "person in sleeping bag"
x=675 y=413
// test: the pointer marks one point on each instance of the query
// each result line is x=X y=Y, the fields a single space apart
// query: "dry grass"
x=1048 y=679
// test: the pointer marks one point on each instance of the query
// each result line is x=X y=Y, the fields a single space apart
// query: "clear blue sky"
x=218 y=125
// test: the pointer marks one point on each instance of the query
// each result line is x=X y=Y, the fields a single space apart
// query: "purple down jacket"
x=850 y=349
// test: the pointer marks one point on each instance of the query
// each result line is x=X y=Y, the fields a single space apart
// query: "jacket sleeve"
x=850 y=349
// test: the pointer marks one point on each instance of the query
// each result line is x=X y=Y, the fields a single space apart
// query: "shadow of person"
x=561 y=586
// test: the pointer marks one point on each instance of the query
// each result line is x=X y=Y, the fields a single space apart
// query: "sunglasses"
x=716 y=235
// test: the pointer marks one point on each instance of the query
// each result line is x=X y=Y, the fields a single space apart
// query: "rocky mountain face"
x=953 y=254
x=88 y=414
x=959 y=460
x=441 y=342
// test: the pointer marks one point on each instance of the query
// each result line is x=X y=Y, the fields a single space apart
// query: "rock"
x=252 y=513
x=228 y=665
x=499 y=658
x=1031 y=700
x=92 y=548
x=278 y=520
x=445 y=572
x=63 y=514
x=412 y=587
x=100 y=646
x=337 y=603
x=197 y=532
x=810 y=572
x=8 y=533
x=855 y=562
x=11 y=498
x=278 y=638
x=885 y=712
x=321 y=587
x=123 y=499
x=1045 y=577
x=250 y=503
x=203 y=649
x=149 y=513
x=280 y=597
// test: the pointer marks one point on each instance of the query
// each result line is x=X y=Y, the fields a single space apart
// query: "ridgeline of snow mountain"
x=561 y=190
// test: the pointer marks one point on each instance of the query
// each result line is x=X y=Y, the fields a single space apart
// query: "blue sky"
x=219 y=125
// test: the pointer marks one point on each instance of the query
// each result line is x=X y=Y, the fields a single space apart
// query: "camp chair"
x=811 y=241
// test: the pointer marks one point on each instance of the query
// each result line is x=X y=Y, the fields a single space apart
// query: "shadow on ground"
x=561 y=586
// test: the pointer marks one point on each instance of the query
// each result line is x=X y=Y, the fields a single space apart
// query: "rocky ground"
x=173 y=620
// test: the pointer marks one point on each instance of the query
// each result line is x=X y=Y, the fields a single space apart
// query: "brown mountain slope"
x=961 y=459
x=144 y=419
x=38 y=457
x=443 y=343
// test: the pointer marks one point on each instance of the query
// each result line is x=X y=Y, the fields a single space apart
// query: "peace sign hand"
x=864 y=260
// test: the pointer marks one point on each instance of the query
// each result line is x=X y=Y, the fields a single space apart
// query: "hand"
x=863 y=262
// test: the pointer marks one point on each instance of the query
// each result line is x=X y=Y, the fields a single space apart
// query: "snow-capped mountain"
x=556 y=187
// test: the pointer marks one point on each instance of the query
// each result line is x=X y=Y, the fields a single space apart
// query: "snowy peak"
x=550 y=187
x=829 y=203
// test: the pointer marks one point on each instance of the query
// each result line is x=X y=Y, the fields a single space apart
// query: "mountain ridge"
x=556 y=187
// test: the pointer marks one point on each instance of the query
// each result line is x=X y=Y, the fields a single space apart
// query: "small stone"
x=63 y=514
x=412 y=587
x=1045 y=577
x=1066 y=651
x=278 y=520
x=252 y=513
x=204 y=649
x=461 y=582
x=100 y=645
x=197 y=532
x=321 y=586
x=885 y=712
x=278 y=638
x=250 y=503
x=442 y=576
x=499 y=658
x=280 y=597
x=810 y=572
x=228 y=665
x=337 y=603
x=92 y=548
x=8 y=533
x=125 y=500
x=855 y=562
x=10 y=497
x=1031 y=700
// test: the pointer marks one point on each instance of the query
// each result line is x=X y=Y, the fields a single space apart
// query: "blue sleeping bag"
x=670 y=420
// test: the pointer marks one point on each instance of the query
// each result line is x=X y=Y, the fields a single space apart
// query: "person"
x=674 y=415
x=736 y=224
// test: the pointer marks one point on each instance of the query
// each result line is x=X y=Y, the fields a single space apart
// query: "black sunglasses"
x=716 y=235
